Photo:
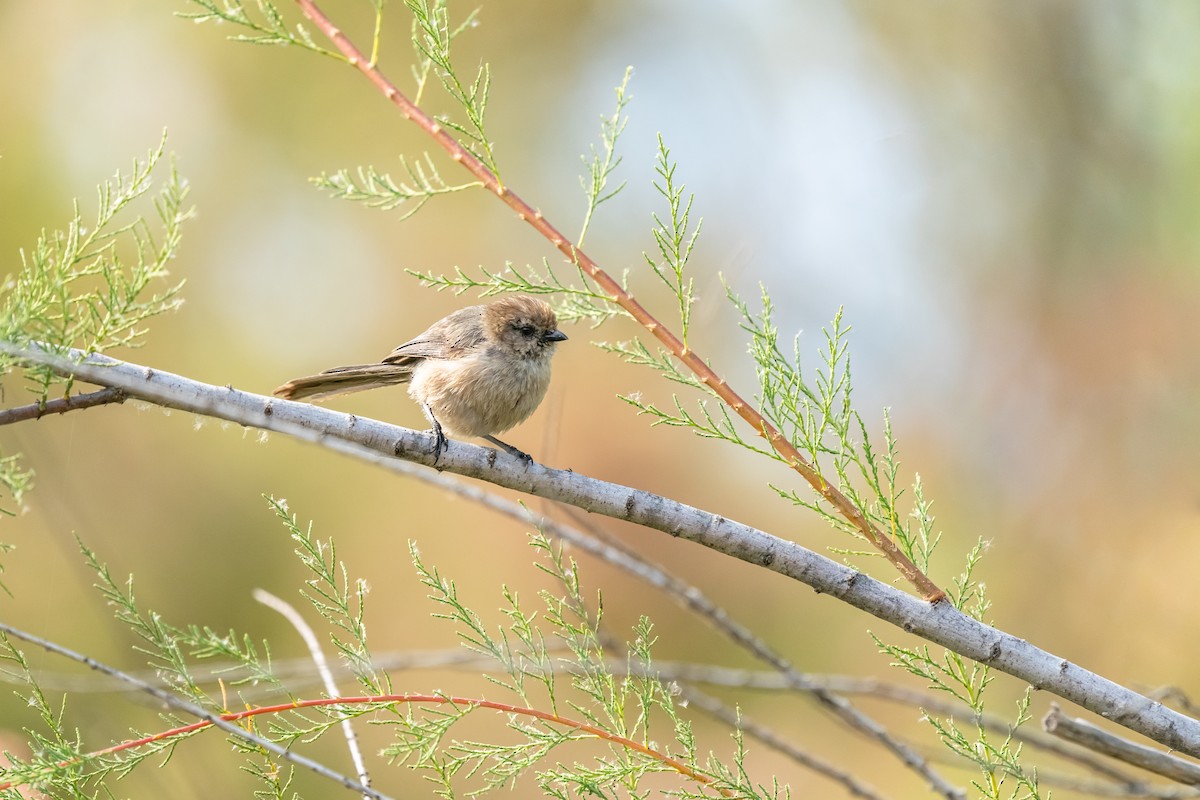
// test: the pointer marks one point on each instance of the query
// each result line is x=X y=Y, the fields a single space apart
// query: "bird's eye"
x=527 y=330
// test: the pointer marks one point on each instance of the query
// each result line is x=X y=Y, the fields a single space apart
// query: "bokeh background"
x=1001 y=195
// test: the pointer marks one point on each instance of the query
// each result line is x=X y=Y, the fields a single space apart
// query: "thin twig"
x=871 y=687
x=1101 y=741
x=715 y=708
x=61 y=405
x=698 y=365
x=1097 y=789
x=288 y=671
x=191 y=709
x=385 y=445
x=302 y=627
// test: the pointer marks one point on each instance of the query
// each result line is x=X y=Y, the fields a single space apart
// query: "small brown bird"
x=476 y=372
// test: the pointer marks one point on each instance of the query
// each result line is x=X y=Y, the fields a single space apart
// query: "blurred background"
x=1000 y=195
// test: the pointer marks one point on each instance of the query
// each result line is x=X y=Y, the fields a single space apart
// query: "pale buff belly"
x=477 y=396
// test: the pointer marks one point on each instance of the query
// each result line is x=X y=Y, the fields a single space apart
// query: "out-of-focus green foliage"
x=93 y=286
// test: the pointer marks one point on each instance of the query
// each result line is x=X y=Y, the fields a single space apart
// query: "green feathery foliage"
x=1002 y=775
x=265 y=24
x=577 y=299
x=380 y=190
x=93 y=285
x=818 y=417
x=179 y=656
x=675 y=238
x=339 y=600
x=51 y=746
x=552 y=664
x=636 y=707
x=604 y=162
x=15 y=479
x=434 y=35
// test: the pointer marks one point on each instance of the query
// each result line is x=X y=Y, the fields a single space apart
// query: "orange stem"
x=235 y=716
x=928 y=589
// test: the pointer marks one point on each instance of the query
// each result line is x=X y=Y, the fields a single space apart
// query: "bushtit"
x=476 y=372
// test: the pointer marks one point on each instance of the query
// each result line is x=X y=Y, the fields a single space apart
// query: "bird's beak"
x=554 y=336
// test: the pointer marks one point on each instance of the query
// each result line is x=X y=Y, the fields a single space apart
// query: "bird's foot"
x=440 y=444
x=512 y=451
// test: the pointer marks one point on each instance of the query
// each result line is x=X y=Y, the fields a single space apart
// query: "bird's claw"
x=512 y=451
x=440 y=445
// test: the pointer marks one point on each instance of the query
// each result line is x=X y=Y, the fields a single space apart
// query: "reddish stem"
x=928 y=589
x=473 y=702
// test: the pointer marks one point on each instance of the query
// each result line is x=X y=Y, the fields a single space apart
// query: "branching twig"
x=715 y=708
x=61 y=405
x=1097 y=789
x=382 y=444
x=1101 y=741
x=704 y=373
x=762 y=680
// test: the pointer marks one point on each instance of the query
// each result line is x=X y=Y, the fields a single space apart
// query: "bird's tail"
x=343 y=380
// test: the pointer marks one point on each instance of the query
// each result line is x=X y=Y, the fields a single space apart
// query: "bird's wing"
x=449 y=337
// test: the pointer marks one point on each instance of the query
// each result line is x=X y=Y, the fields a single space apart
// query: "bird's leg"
x=512 y=451
x=439 y=443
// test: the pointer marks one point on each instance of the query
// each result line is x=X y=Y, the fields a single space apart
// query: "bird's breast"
x=482 y=393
